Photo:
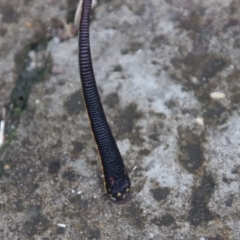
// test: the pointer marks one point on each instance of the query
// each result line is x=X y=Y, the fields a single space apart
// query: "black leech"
x=117 y=182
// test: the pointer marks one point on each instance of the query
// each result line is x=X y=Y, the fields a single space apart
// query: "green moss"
x=10 y=137
x=16 y=113
x=26 y=78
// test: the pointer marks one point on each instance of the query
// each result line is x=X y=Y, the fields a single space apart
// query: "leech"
x=116 y=180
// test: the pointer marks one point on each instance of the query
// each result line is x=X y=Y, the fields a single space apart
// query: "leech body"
x=116 y=179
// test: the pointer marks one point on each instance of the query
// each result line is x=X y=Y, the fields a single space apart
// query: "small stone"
x=217 y=95
x=28 y=24
x=32 y=55
x=194 y=80
x=7 y=167
x=200 y=121
x=56 y=69
x=61 y=225
x=56 y=40
x=31 y=66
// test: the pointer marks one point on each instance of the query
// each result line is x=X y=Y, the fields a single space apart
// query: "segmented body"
x=117 y=182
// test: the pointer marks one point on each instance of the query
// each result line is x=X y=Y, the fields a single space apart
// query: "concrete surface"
x=156 y=63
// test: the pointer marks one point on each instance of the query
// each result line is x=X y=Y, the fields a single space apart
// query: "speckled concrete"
x=156 y=63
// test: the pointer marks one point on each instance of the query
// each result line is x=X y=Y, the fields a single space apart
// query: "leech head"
x=120 y=191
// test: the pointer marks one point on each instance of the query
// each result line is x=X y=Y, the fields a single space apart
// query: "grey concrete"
x=156 y=63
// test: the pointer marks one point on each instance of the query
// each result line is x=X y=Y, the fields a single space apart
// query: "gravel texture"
x=160 y=68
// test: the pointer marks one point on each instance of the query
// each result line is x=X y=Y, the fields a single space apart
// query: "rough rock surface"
x=156 y=64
